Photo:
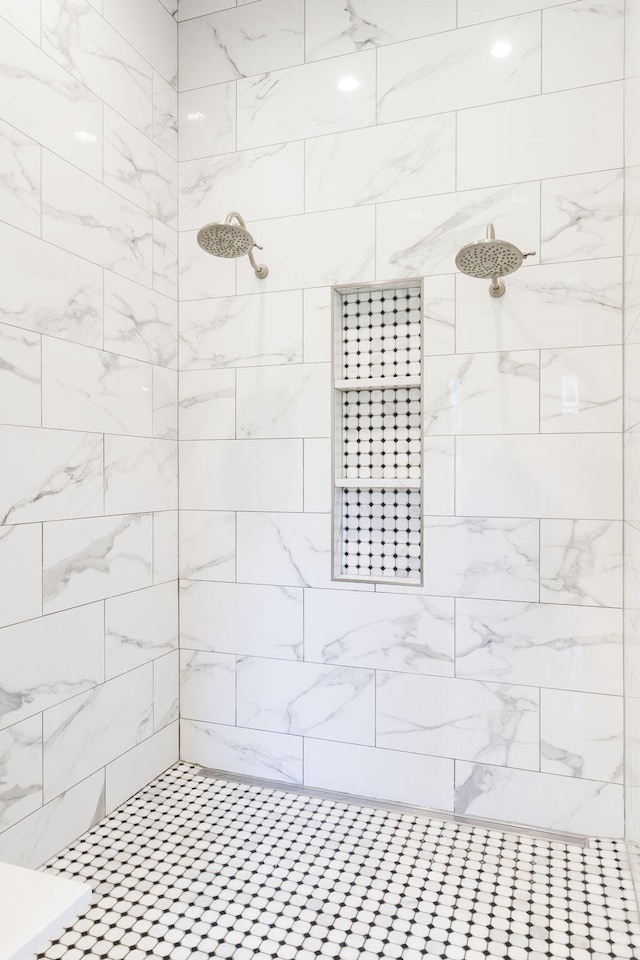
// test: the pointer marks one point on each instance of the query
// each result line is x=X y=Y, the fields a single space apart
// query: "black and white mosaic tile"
x=193 y=868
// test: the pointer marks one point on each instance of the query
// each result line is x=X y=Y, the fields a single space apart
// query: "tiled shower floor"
x=193 y=868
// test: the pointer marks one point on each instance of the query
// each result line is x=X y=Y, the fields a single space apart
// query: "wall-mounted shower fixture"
x=491 y=258
x=230 y=240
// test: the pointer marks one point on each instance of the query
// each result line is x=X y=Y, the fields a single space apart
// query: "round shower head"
x=231 y=240
x=490 y=258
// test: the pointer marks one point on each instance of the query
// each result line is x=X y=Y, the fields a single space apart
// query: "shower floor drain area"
x=193 y=868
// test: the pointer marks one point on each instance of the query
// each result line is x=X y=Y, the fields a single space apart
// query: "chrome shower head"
x=230 y=240
x=491 y=258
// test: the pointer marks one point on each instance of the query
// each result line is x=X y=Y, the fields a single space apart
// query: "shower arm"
x=259 y=268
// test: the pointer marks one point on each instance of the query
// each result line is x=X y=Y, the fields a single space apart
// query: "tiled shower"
x=167 y=416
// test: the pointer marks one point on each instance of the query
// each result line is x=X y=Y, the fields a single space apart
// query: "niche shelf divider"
x=377 y=446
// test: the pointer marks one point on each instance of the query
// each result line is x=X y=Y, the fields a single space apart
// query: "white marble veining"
x=54 y=658
x=67 y=300
x=166 y=690
x=54 y=474
x=207 y=404
x=439 y=476
x=164 y=249
x=90 y=49
x=241 y=475
x=262 y=183
x=432 y=74
x=139 y=322
x=88 y=731
x=438 y=330
x=328 y=702
x=581 y=216
x=333 y=27
x=208 y=686
x=149 y=29
x=86 y=389
x=586 y=807
x=466 y=720
x=548 y=645
x=256 y=753
x=138 y=170
x=85 y=217
x=20 y=771
x=540 y=310
x=541 y=136
x=383 y=632
x=165 y=546
x=139 y=627
x=240 y=618
x=380 y=774
x=165 y=115
x=165 y=403
x=540 y=475
x=286 y=401
x=43 y=101
x=581 y=390
x=380 y=163
x=241 y=331
x=307 y=101
x=581 y=735
x=207 y=545
x=140 y=475
x=20 y=572
x=143 y=763
x=20 y=382
x=85 y=560
x=207 y=121
x=581 y=562
x=241 y=42
x=481 y=393
x=19 y=179
x=481 y=557
x=582 y=43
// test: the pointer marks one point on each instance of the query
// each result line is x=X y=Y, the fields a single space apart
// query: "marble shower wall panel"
x=370 y=142
x=88 y=413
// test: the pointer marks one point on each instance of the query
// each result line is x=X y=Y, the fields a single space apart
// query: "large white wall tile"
x=286 y=401
x=241 y=618
x=165 y=115
x=240 y=42
x=138 y=322
x=207 y=121
x=164 y=250
x=165 y=404
x=439 y=476
x=267 y=182
x=207 y=545
x=45 y=102
x=150 y=29
x=66 y=302
x=54 y=658
x=208 y=686
x=207 y=404
x=327 y=702
x=20 y=380
x=581 y=735
x=581 y=562
x=546 y=475
x=466 y=720
x=317 y=324
x=90 y=49
x=20 y=187
x=548 y=136
x=539 y=308
x=241 y=475
x=384 y=632
x=381 y=774
x=140 y=627
x=481 y=393
x=200 y=8
x=201 y=275
x=318 y=483
x=333 y=27
x=456 y=69
x=40 y=485
x=475 y=11
x=143 y=763
x=165 y=546
x=255 y=753
x=584 y=807
x=581 y=390
x=25 y=16
x=547 y=645
x=306 y=101
x=86 y=389
x=581 y=216
x=20 y=572
x=21 y=766
x=85 y=217
x=166 y=690
x=140 y=475
x=386 y=162
x=85 y=560
x=92 y=729
x=582 y=43
x=478 y=557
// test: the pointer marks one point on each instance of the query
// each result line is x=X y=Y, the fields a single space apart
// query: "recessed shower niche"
x=377 y=432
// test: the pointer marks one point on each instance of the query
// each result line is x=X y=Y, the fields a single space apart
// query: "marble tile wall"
x=88 y=413
x=632 y=434
x=369 y=141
